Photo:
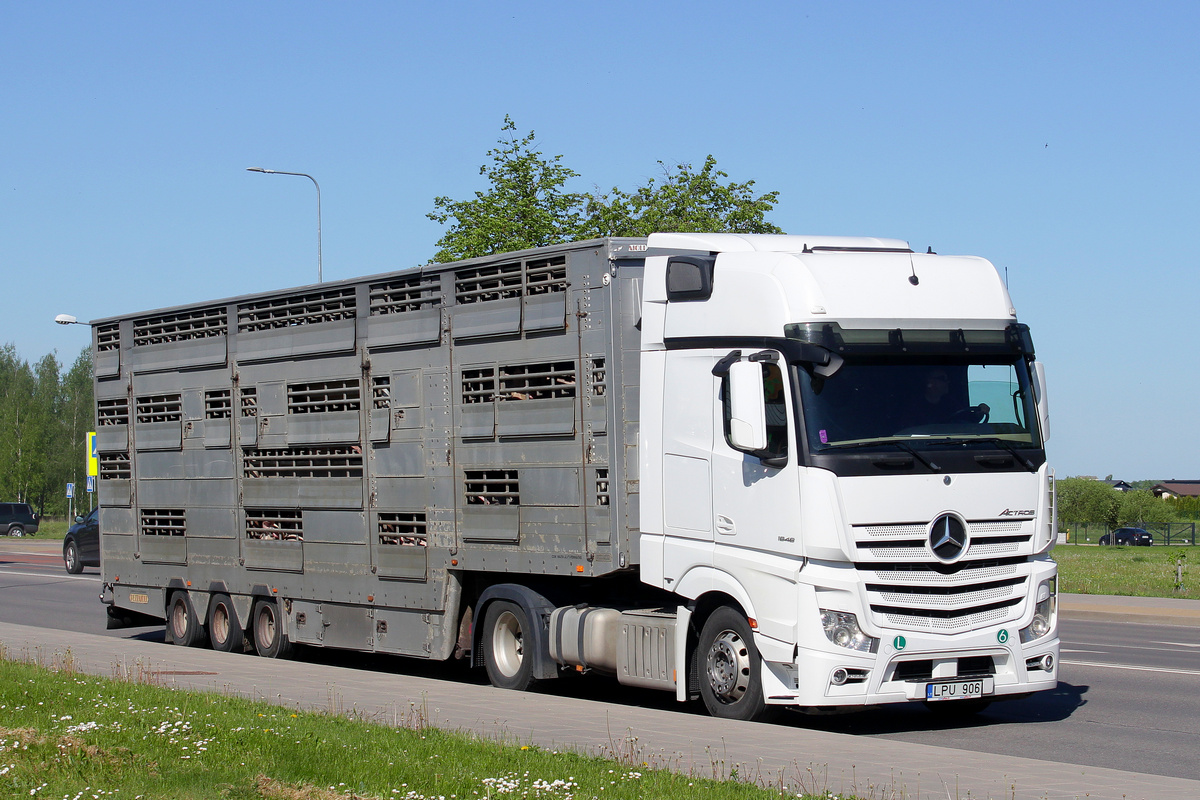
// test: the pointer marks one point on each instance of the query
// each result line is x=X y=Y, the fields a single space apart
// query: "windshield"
x=915 y=401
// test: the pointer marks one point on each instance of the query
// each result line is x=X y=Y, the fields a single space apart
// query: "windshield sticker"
x=824 y=436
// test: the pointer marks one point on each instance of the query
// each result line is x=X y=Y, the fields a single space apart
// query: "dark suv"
x=17 y=519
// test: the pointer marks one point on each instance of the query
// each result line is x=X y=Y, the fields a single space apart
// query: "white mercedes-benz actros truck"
x=761 y=471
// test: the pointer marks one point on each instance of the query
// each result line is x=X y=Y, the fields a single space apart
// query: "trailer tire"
x=270 y=639
x=507 y=646
x=730 y=667
x=224 y=630
x=183 y=628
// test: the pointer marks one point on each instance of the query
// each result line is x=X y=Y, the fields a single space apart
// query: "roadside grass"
x=68 y=735
x=1129 y=571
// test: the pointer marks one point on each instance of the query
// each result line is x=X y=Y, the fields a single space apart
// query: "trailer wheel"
x=729 y=666
x=505 y=635
x=183 y=628
x=270 y=639
x=223 y=627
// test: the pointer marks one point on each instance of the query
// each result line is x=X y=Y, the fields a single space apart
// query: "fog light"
x=842 y=629
x=839 y=676
x=1048 y=662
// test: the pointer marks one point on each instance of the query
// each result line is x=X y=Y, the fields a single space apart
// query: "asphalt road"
x=1128 y=697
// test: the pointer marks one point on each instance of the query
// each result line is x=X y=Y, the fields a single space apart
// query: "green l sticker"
x=899 y=643
x=1002 y=636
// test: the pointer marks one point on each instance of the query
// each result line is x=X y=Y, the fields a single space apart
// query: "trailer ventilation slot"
x=112 y=412
x=108 y=337
x=405 y=294
x=546 y=275
x=480 y=284
x=496 y=487
x=304 y=462
x=163 y=522
x=537 y=381
x=198 y=324
x=305 y=309
x=602 y=487
x=218 y=404
x=159 y=408
x=381 y=391
x=114 y=467
x=599 y=377
x=273 y=523
x=478 y=385
x=249 y=404
x=323 y=396
x=403 y=528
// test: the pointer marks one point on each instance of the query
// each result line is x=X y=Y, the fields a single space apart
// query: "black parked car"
x=81 y=545
x=1134 y=536
x=17 y=519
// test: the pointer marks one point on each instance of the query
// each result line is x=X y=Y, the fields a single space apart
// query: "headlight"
x=842 y=629
x=1043 y=612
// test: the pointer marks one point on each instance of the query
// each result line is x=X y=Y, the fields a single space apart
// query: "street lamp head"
x=66 y=319
x=260 y=169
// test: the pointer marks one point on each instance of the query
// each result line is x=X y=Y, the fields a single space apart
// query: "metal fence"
x=1167 y=533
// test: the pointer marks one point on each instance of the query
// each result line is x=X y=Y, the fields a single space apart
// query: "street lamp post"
x=314 y=180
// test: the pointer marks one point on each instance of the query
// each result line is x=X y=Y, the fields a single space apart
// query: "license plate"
x=958 y=690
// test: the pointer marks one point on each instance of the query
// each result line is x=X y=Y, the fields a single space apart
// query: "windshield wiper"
x=893 y=443
x=1003 y=444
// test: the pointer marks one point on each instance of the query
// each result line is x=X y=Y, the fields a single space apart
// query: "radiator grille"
x=304 y=462
x=537 y=381
x=492 y=488
x=114 y=466
x=402 y=528
x=159 y=408
x=163 y=522
x=305 y=309
x=108 y=337
x=908 y=588
x=198 y=324
x=218 y=404
x=405 y=294
x=112 y=412
x=274 y=523
x=323 y=396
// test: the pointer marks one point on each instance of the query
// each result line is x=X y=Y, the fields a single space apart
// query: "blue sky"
x=1058 y=140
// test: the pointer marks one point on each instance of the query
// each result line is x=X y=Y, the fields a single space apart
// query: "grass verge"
x=73 y=736
x=1129 y=571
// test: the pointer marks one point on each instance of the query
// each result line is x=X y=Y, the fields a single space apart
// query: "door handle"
x=725 y=525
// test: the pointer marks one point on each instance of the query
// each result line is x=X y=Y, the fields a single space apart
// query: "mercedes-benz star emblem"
x=948 y=538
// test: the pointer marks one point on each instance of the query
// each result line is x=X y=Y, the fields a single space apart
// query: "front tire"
x=223 y=627
x=507 y=647
x=730 y=667
x=71 y=560
x=270 y=639
x=183 y=629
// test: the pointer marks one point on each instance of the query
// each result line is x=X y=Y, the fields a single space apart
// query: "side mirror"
x=1043 y=404
x=78 y=518
x=748 y=414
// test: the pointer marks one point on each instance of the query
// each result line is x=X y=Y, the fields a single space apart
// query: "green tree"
x=1139 y=508
x=1083 y=500
x=683 y=201
x=527 y=204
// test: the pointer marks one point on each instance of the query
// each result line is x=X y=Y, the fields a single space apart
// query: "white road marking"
x=1133 y=667
x=49 y=575
x=1178 y=644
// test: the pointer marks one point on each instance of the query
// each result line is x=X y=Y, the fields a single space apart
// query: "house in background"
x=1120 y=486
x=1168 y=489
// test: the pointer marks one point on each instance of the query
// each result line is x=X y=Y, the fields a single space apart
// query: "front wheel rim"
x=728 y=667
